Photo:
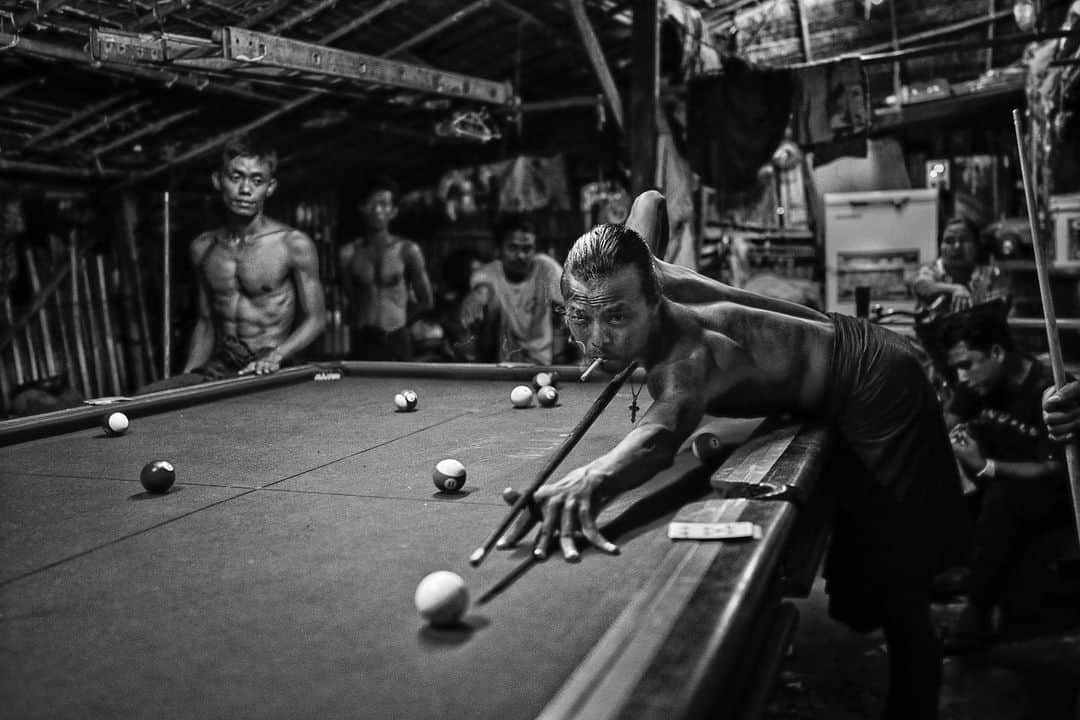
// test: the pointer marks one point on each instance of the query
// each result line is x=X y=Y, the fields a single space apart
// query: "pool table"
x=276 y=578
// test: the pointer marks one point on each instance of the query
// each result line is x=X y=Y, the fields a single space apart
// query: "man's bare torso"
x=756 y=362
x=249 y=283
x=380 y=288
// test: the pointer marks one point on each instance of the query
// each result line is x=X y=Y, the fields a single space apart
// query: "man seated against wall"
x=259 y=301
x=1000 y=440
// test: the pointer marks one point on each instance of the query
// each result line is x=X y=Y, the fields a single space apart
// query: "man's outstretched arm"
x=648 y=218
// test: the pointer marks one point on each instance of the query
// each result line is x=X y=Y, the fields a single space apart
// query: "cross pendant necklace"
x=633 y=402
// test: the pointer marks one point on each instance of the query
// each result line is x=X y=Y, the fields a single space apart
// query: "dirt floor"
x=835 y=674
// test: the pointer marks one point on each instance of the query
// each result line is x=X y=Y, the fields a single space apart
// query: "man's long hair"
x=607 y=249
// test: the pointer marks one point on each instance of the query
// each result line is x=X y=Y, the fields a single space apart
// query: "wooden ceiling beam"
x=106 y=120
x=75 y=119
x=438 y=27
x=151 y=129
x=44 y=7
x=599 y=62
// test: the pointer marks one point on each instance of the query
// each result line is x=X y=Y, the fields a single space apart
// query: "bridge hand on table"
x=564 y=510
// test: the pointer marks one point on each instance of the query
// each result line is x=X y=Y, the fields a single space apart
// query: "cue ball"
x=442 y=598
x=544 y=379
x=449 y=475
x=158 y=476
x=115 y=423
x=521 y=396
x=547 y=396
x=406 y=400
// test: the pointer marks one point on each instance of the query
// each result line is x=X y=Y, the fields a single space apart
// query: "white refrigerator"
x=877 y=239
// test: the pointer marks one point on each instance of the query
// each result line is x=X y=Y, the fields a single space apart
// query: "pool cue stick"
x=106 y=322
x=1057 y=363
x=76 y=317
x=557 y=457
x=96 y=347
x=32 y=360
x=43 y=315
x=65 y=341
x=166 y=291
x=508 y=579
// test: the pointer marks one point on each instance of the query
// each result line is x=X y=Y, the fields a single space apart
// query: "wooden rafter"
x=267 y=12
x=44 y=7
x=74 y=120
x=438 y=27
x=105 y=121
x=599 y=63
x=302 y=16
x=19 y=86
x=151 y=129
x=362 y=19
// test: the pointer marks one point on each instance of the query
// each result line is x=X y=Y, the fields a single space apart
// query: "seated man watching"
x=1005 y=449
x=259 y=297
x=516 y=292
x=711 y=349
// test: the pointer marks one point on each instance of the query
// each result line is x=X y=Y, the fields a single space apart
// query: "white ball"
x=521 y=396
x=449 y=475
x=116 y=423
x=406 y=400
x=442 y=598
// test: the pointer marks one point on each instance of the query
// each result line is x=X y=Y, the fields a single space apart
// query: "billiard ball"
x=115 y=423
x=544 y=379
x=406 y=400
x=158 y=476
x=521 y=396
x=547 y=396
x=706 y=447
x=442 y=598
x=449 y=475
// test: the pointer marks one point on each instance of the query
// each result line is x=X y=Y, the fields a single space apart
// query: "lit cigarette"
x=589 y=370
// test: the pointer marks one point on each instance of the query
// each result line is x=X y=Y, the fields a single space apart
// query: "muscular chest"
x=378 y=269
x=243 y=270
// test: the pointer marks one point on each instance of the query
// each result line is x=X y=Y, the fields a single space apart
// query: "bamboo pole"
x=16 y=353
x=106 y=323
x=76 y=318
x=32 y=359
x=96 y=345
x=129 y=211
x=166 y=292
x=43 y=315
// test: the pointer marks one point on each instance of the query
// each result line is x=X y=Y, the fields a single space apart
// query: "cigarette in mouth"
x=589 y=370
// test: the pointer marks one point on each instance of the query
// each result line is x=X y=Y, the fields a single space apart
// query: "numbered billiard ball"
x=521 y=396
x=442 y=598
x=115 y=423
x=449 y=475
x=158 y=476
x=547 y=396
x=406 y=400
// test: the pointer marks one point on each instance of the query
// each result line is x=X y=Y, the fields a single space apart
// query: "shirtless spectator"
x=379 y=272
x=260 y=301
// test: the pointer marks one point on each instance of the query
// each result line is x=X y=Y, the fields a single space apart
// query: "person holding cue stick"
x=711 y=349
x=1055 y=404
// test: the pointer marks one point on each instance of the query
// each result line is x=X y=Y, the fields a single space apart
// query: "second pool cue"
x=106 y=324
x=557 y=457
x=1057 y=362
x=166 y=290
x=43 y=314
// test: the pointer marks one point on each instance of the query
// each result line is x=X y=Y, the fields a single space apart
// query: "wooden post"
x=804 y=29
x=644 y=94
x=106 y=324
x=596 y=57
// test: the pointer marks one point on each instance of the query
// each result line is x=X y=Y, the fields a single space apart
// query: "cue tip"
x=477 y=556
x=589 y=371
